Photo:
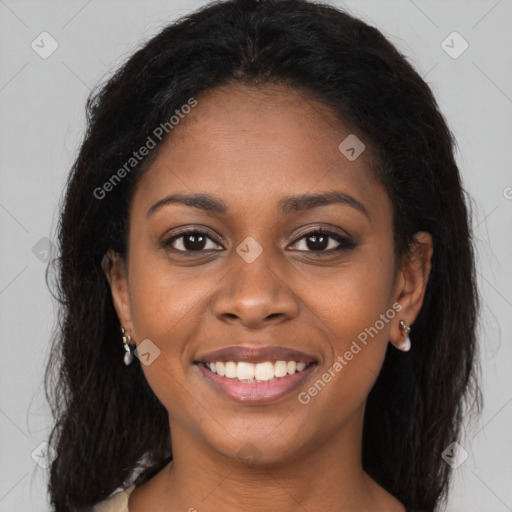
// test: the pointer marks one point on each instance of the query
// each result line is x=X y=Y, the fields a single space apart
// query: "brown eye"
x=321 y=240
x=192 y=241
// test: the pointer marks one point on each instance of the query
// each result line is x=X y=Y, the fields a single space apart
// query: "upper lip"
x=252 y=354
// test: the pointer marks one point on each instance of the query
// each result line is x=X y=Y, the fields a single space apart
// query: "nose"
x=254 y=295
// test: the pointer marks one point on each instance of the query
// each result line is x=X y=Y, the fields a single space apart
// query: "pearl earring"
x=128 y=356
x=405 y=346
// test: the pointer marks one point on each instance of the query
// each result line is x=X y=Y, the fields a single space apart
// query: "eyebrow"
x=287 y=205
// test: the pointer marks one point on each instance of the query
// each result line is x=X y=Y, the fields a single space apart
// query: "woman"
x=266 y=275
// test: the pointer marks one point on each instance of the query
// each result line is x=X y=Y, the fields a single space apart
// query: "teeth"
x=244 y=371
x=280 y=369
x=264 y=371
x=231 y=369
x=259 y=372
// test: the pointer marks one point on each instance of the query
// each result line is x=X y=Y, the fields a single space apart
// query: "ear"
x=411 y=283
x=115 y=269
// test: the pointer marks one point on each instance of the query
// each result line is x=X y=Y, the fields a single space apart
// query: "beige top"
x=118 y=502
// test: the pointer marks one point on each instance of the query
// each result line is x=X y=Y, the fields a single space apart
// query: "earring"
x=128 y=356
x=406 y=345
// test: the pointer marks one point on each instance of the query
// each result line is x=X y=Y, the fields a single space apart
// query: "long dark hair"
x=107 y=419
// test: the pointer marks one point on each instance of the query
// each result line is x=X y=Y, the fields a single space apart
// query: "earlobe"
x=115 y=270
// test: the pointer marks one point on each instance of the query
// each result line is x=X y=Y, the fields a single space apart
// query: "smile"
x=255 y=374
x=267 y=371
x=268 y=384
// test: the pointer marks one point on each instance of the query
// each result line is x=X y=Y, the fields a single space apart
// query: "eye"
x=318 y=240
x=191 y=241
x=323 y=240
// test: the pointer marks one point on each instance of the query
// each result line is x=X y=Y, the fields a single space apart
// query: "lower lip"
x=256 y=392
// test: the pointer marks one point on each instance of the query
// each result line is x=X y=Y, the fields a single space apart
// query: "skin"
x=250 y=147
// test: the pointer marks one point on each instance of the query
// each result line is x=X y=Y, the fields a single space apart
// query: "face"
x=251 y=231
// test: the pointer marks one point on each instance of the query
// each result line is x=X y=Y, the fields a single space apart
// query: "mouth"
x=256 y=375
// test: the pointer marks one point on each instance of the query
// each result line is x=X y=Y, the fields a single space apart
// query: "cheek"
x=163 y=298
x=168 y=305
x=354 y=310
x=164 y=309
x=351 y=299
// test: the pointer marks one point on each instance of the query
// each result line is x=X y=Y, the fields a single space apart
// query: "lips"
x=241 y=387
x=255 y=355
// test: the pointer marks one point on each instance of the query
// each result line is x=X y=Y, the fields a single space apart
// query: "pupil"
x=321 y=242
x=194 y=242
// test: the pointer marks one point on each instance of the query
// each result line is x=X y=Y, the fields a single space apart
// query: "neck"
x=327 y=475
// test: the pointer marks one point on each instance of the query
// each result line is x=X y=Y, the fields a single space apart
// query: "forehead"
x=255 y=145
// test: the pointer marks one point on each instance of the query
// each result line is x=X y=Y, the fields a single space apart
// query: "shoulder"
x=118 y=502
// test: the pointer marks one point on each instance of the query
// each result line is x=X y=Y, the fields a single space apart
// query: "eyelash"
x=345 y=243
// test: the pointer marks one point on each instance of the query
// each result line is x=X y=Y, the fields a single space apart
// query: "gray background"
x=41 y=124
